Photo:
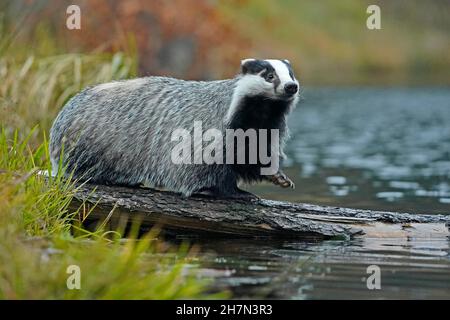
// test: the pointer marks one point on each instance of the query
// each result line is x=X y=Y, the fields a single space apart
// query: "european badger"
x=120 y=132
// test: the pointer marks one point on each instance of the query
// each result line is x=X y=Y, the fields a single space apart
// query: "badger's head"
x=273 y=79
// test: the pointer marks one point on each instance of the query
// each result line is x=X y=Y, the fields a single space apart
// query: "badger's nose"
x=291 y=88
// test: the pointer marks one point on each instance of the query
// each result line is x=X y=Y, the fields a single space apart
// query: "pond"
x=372 y=148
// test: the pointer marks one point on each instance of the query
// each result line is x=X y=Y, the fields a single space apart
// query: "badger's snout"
x=291 y=88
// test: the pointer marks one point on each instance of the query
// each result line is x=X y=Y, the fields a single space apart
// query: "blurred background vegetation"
x=43 y=64
x=326 y=40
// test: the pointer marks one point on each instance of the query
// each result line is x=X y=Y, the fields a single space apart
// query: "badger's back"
x=120 y=132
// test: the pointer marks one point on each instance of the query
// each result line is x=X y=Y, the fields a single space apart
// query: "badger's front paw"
x=282 y=180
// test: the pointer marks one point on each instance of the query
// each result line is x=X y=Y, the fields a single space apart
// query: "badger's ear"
x=245 y=65
x=287 y=61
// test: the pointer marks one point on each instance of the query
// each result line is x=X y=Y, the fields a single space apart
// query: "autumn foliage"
x=183 y=38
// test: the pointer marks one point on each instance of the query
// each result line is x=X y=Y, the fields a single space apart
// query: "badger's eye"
x=270 y=77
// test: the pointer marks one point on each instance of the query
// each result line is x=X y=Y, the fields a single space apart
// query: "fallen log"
x=205 y=216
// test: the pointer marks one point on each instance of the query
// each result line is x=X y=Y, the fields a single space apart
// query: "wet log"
x=205 y=216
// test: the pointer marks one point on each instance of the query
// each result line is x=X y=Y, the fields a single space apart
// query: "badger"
x=119 y=133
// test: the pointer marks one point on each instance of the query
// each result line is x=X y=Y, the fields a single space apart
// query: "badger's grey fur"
x=120 y=132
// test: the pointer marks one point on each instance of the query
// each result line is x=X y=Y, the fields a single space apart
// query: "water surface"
x=372 y=148
x=416 y=269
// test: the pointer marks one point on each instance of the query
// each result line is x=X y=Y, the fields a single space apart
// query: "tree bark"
x=203 y=216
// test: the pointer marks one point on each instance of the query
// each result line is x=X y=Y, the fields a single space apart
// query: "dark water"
x=364 y=148
x=415 y=269
x=370 y=148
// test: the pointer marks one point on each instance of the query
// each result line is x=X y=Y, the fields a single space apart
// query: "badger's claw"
x=282 y=180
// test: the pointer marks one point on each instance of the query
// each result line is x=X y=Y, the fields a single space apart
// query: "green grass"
x=33 y=90
x=41 y=234
x=38 y=243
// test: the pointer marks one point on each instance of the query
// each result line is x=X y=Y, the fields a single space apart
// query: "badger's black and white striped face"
x=271 y=78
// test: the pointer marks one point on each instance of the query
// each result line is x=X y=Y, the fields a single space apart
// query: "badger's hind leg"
x=242 y=194
x=282 y=180
x=206 y=193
